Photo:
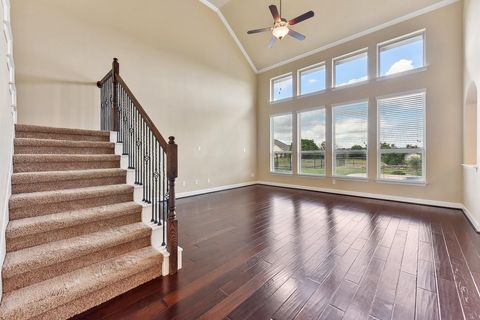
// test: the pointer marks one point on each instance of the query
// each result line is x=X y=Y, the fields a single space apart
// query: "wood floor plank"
x=382 y=306
x=409 y=262
x=297 y=300
x=426 y=306
x=322 y=296
x=331 y=313
x=344 y=295
x=404 y=307
x=361 y=303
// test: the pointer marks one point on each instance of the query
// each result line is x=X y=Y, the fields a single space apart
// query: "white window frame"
x=424 y=149
x=349 y=56
x=272 y=143
x=299 y=79
x=299 y=142
x=334 y=153
x=398 y=42
x=272 y=80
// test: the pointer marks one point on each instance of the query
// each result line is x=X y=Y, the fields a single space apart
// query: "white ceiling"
x=334 y=20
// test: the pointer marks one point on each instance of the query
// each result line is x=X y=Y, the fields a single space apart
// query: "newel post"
x=115 y=113
x=172 y=223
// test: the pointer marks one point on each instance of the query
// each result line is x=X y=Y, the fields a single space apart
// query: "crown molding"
x=231 y=32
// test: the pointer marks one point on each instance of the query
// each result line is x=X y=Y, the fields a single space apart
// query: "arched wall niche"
x=470 y=120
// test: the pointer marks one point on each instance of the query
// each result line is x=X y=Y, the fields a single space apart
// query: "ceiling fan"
x=281 y=26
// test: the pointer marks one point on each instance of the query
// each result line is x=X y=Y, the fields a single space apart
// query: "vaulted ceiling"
x=334 y=20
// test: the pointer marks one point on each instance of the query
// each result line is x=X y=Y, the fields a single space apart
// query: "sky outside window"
x=312 y=80
x=404 y=55
x=351 y=70
x=282 y=88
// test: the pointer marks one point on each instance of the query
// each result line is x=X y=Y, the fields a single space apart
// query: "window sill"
x=358 y=179
x=408 y=183
x=281 y=173
x=307 y=175
x=401 y=74
x=353 y=85
x=282 y=100
x=311 y=94
x=471 y=166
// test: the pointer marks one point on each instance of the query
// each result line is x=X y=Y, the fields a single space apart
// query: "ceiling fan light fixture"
x=280 y=30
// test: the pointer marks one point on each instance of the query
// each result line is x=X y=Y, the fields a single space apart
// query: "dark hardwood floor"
x=270 y=253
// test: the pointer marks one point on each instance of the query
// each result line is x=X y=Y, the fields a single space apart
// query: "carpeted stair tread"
x=51 y=146
x=63 y=162
x=38 y=181
x=29 y=158
x=38 y=299
x=30 y=259
x=55 y=176
x=46 y=197
x=62 y=143
x=43 y=224
x=69 y=131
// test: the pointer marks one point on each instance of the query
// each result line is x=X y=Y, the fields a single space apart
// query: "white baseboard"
x=426 y=202
x=472 y=219
x=216 y=189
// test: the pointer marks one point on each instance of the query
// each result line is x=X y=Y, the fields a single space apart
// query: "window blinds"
x=401 y=121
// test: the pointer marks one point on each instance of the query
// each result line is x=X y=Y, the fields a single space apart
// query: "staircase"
x=75 y=237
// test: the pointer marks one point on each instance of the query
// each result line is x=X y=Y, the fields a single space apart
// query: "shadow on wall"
x=471 y=126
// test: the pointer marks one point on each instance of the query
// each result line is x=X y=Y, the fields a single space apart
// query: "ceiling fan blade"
x=303 y=17
x=296 y=35
x=272 y=42
x=259 y=30
x=274 y=11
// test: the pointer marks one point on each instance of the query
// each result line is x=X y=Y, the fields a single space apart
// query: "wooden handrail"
x=104 y=79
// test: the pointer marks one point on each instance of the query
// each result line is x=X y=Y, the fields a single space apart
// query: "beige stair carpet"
x=75 y=237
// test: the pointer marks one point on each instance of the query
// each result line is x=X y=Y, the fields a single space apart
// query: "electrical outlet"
x=199 y=148
x=208 y=180
x=196 y=181
x=184 y=183
x=244 y=150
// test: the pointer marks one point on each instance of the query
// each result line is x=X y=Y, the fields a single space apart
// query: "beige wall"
x=443 y=81
x=472 y=79
x=176 y=56
x=7 y=118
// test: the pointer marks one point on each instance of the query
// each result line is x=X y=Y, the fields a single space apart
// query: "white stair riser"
x=124 y=162
x=130 y=177
x=113 y=136
x=138 y=194
x=119 y=149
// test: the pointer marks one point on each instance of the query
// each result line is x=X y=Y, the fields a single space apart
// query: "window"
x=401 y=122
x=281 y=88
x=350 y=69
x=350 y=136
x=312 y=142
x=311 y=79
x=400 y=55
x=281 y=135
